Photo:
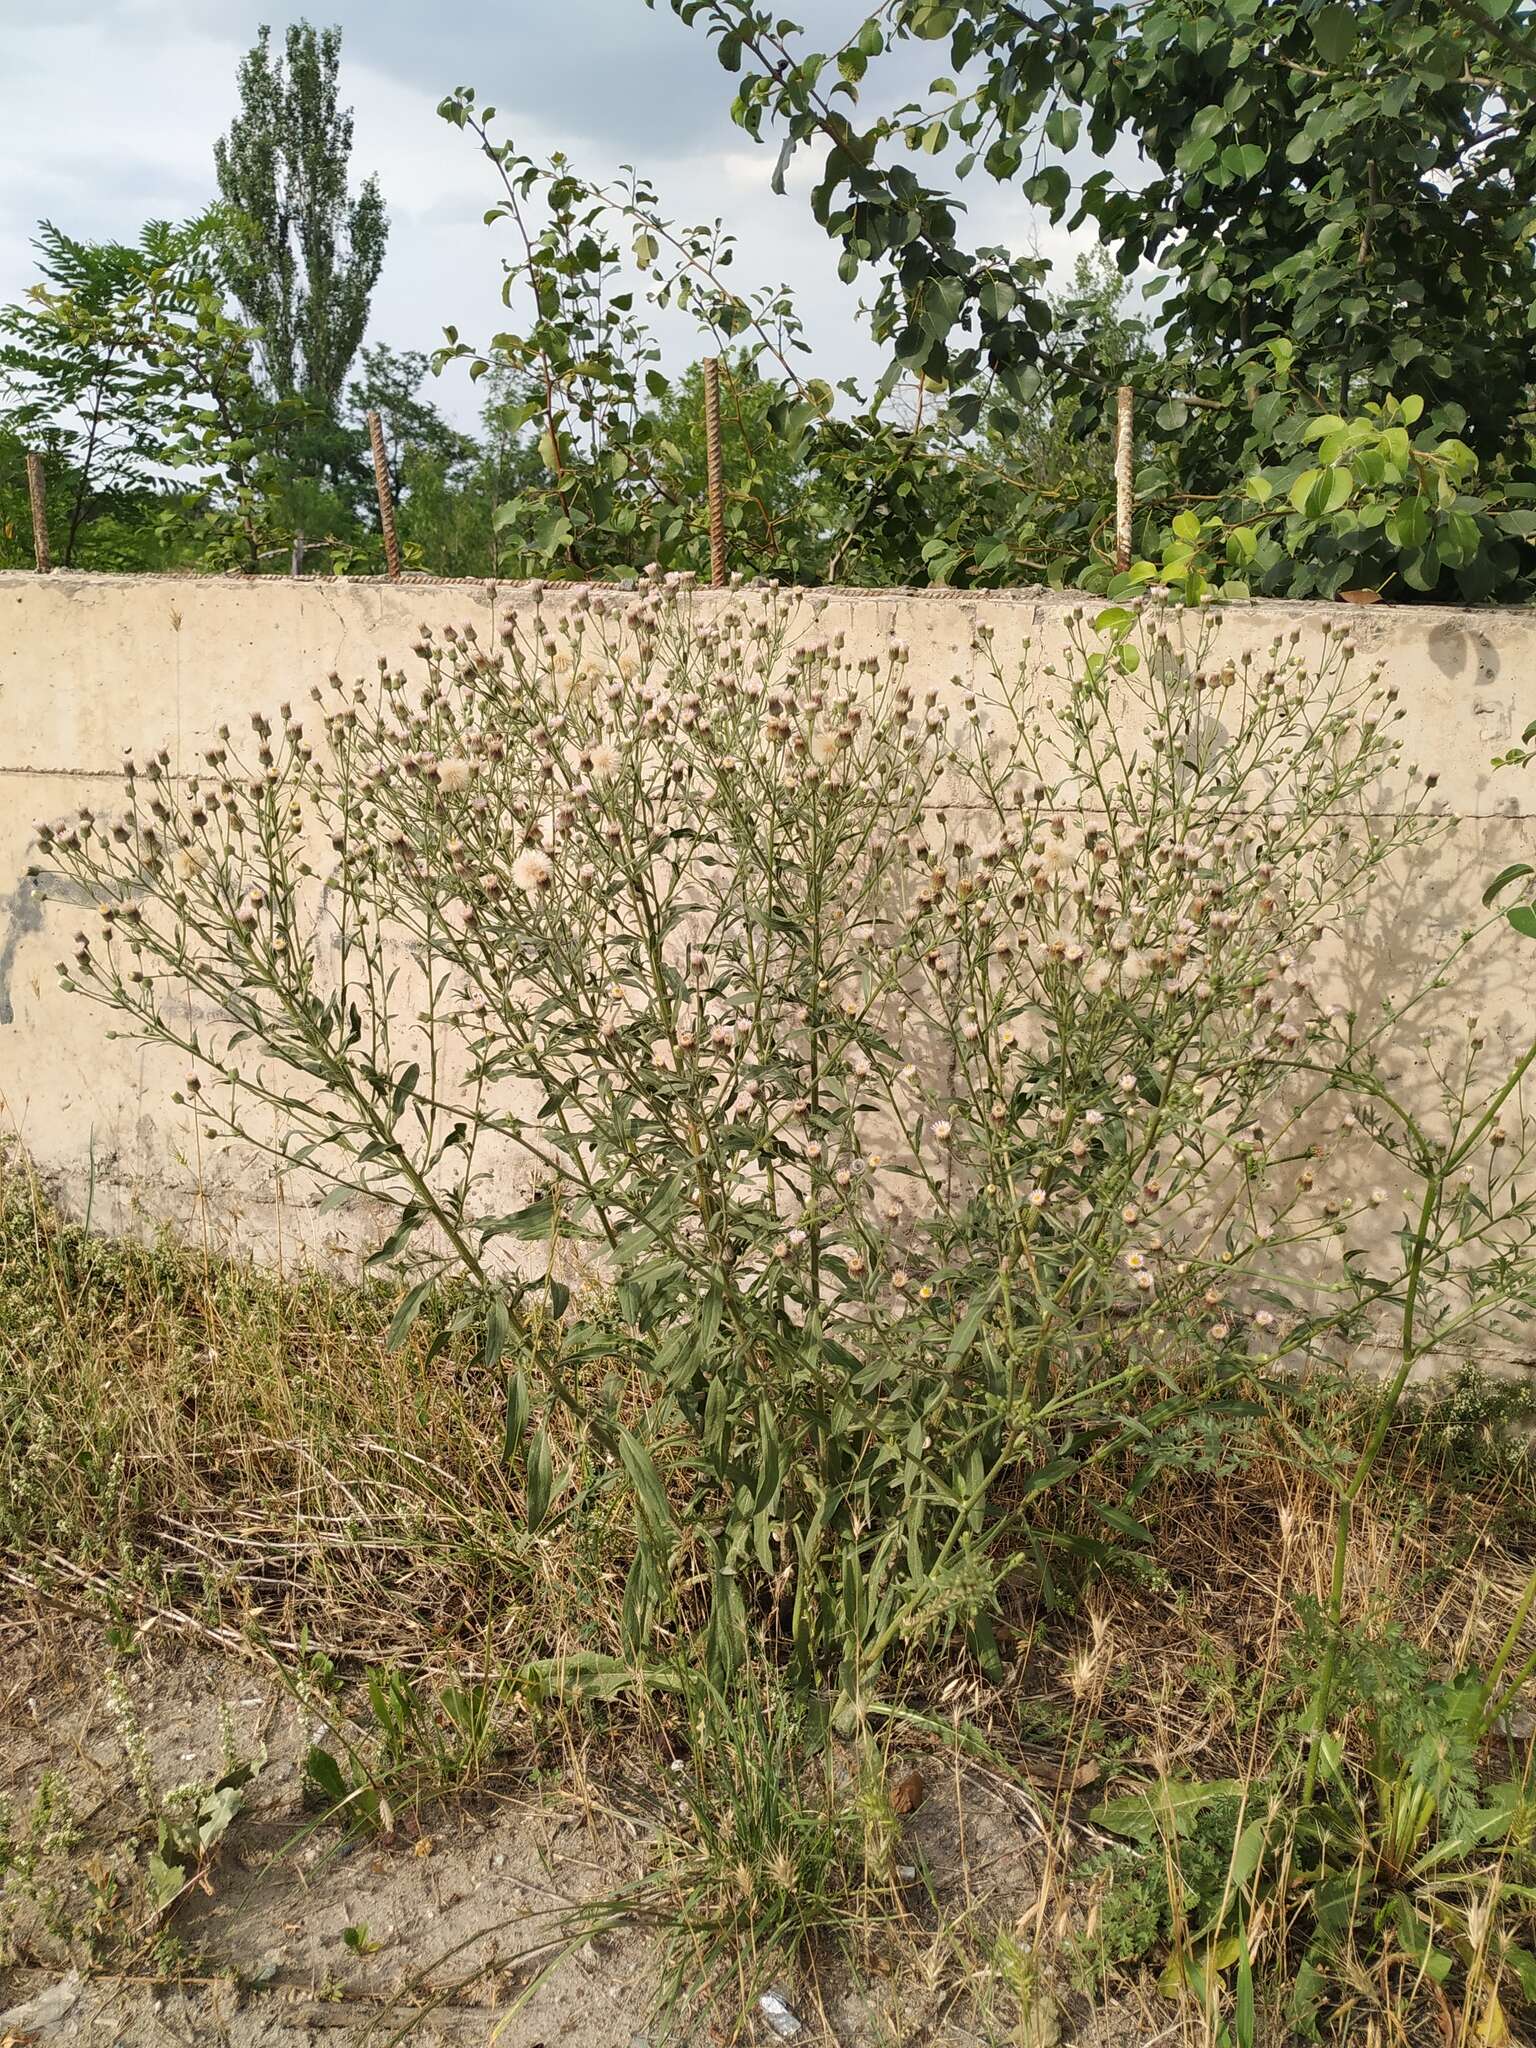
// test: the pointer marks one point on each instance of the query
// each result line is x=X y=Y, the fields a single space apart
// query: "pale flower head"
x=1056 y=858
x=1097 y=976
x=605 y=762
x=453 y=776
x=532 y=871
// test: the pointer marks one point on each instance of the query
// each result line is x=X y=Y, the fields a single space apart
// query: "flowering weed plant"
x=927 y=1082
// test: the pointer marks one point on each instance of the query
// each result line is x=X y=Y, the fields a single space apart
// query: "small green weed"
x=415 y=1744
x=59 y=1902
x=34 y=1850
x=1412 y=1871
x=773 y=1854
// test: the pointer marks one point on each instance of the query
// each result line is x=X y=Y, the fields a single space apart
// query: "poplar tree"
x=303 y=254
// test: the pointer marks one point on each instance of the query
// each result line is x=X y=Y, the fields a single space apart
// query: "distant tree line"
x=1323 y=292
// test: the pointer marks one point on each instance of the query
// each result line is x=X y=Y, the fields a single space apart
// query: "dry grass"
x=248 y=1450
x=240 y=1457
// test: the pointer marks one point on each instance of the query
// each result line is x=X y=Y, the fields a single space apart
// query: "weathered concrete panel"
x=93 y=665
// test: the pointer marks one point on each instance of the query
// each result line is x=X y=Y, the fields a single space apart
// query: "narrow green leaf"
x=515 y=1425
x=324 y=1775
x=1244 y=2018
x=406 y=1314
x=541 y=1480
x=498 y=1328
x=1500 y=882
x=649 y=1491
x=530 y=1222
x=405 y=1088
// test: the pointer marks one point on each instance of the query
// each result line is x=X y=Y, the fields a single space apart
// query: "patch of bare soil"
x=454 y=1929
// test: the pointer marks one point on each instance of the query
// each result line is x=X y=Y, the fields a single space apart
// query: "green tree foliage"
x=414 y=429
x=126 y=367
x=163 y=445
x=577 y=365
x=1331 y=222
x=1338 y=199
x=303 y=255
x=765 y=473
x=77 y=381
x=443 y=481
x=221 y=423
x=910 y=483
x=1014 y=491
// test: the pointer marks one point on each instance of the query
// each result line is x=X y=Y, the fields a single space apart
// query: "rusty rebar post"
x=1125 y=435
x=386 y=499
x=714 y=471
x=37 y=491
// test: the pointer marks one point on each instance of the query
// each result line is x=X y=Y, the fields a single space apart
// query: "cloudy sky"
x=109 y=110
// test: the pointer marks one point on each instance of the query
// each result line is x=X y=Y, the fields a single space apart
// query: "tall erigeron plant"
x=933 y=1077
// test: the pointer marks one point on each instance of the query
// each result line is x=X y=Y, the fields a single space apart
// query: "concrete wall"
x=93 y=665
